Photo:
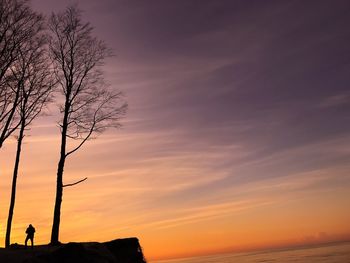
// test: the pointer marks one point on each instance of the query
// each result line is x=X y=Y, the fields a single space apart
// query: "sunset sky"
x=237 y=134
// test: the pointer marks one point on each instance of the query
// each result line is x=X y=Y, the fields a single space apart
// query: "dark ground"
x=117 y=251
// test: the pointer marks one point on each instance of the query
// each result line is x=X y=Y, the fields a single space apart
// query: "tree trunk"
x=58 y=202
x=59 y=185
x=3 y=134
x=14 y=183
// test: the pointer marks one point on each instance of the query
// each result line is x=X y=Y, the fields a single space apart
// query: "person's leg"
x=26 y=241
x=32 y=240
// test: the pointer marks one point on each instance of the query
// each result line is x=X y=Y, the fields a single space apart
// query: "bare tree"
x=17 y=22
x=89 y=107
x=33 y=78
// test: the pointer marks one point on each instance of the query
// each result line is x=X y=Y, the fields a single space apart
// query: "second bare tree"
x=88 y=107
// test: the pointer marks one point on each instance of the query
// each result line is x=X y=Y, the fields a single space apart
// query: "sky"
x=237 y=134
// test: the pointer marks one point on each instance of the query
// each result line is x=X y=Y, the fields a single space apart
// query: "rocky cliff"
x=117 y=251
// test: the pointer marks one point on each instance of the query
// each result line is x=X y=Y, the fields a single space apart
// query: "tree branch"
x=80 y=181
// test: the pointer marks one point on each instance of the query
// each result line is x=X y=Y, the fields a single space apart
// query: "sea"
x=334 y=253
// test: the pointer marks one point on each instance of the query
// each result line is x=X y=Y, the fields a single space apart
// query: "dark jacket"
x=30 y=231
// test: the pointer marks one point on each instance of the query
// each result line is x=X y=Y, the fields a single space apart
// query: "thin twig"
x=82 y=180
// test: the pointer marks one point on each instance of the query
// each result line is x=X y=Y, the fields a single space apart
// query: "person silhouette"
x=30 y=235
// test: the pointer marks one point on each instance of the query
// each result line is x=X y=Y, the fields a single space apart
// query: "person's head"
x=30 y=225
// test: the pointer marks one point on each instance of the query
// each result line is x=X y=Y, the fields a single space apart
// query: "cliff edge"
x=126 y=250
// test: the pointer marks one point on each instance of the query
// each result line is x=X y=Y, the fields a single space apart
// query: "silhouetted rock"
x=116 y=251
x=126 y=250
x=76 y=253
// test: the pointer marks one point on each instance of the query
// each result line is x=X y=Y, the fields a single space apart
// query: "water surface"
x=335 y=253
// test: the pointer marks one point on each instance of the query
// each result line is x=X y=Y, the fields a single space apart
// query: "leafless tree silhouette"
x=17 y=25
x=33 y=80
x=89 y=107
